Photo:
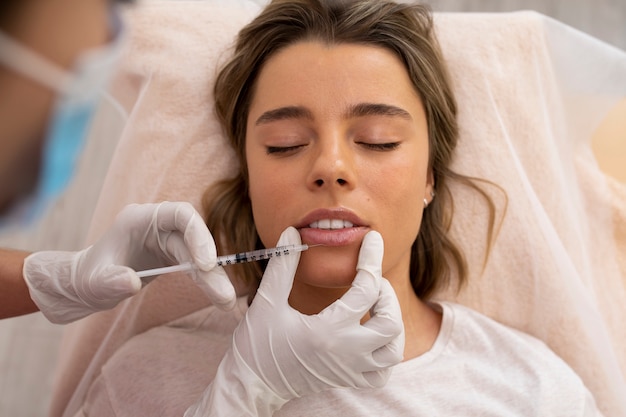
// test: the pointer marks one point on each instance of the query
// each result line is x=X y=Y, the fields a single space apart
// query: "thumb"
x=278 y=277
x=366 y=285
x=371 y=254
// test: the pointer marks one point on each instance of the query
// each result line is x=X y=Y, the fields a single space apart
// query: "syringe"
x=237 y=258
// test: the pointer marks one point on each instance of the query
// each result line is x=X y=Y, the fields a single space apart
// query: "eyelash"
x=390 y=146
x=282 y=149
x=382 y=147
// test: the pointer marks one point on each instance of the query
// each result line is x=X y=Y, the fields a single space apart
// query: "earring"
x=425 y=203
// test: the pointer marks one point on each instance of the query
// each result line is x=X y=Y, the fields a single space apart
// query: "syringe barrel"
x=259 y=255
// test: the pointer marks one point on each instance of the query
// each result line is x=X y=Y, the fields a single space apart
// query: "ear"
x=429 y=191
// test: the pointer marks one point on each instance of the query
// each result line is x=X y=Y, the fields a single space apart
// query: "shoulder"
x=480 y=330
x=513 y=359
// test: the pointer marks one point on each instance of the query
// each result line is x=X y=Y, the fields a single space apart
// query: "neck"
x=421 y=322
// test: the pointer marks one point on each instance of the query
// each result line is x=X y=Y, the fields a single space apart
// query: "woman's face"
x=336 y=146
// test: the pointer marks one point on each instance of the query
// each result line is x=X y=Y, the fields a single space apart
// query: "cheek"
x=404 y=216
x=270 y=196
x=400 y=191
x=260 y=197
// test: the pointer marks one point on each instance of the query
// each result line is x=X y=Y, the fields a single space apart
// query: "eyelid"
x=385 y=146
x=282 y=149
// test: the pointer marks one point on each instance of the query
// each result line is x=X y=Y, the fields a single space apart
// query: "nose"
x=333 y=165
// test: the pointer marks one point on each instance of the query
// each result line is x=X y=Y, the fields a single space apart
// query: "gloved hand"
x=279 y=354
x=67 y=286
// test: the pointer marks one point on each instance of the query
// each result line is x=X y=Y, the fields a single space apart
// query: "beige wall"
x=604 y=19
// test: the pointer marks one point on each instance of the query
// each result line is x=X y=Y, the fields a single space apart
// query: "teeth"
x=330 y=224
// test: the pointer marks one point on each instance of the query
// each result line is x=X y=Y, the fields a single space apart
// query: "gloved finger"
x=386 y=321
x=176 y=249
x=391 y=354
x=217 y=286
x=106 y=287
x=136 y=216
x=371 y=254
x=278 y=277
x=365 y=288
x=183 y=218
x=383 y=333
x=214 y=282
x=376 y=379
x=200 y=242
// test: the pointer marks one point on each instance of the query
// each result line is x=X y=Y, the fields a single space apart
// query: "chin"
x=326 y=271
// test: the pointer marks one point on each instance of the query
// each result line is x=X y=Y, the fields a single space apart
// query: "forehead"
x=312 y=72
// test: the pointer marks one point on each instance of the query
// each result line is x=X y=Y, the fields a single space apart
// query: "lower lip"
x=332 y=237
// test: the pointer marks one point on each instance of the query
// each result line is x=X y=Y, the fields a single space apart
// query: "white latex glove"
x=279 y=354
x=67 y=286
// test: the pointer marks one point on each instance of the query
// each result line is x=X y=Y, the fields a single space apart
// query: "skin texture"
x=338 y=132
x=14 y=297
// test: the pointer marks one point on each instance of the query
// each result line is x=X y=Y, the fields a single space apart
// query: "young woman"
x=344 y=122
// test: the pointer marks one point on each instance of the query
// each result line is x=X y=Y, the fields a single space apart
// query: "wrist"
x=15 y=298
x=48 y=275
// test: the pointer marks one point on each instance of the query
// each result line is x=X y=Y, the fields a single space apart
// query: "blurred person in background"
x=55 y=59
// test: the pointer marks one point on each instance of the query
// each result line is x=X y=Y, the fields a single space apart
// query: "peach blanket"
x=531 y=92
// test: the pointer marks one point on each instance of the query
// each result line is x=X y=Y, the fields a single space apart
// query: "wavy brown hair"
x=407 y=31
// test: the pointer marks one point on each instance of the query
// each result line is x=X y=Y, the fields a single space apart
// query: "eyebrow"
x=284 y=113
x=358 y=110
x=377 y=109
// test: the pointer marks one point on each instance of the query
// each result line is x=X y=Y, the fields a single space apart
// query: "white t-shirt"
x=476 y=367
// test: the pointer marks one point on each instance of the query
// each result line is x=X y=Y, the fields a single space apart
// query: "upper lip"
x=330 y=213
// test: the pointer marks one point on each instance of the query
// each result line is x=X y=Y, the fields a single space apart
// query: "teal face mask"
x=79 y=92
x=62 y=148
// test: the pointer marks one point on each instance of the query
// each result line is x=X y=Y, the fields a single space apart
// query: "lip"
x=332 y=237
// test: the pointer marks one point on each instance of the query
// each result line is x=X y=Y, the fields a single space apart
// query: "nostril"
x=319 y=183
x=341 y=181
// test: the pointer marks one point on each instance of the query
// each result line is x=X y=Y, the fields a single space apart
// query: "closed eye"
x=390 y=146
x=282 y=149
